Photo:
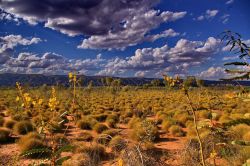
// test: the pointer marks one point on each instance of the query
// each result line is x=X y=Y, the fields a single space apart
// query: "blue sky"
x=126 y=38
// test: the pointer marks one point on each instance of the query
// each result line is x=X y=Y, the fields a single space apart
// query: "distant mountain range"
x=9 y=79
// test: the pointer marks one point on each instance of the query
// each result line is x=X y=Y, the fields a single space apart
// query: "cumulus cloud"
x=213 y=73
x=7 y=44
x=50 y=63
x=208 y=15
x=141 y=73
x=104 y=23
x=178 y=59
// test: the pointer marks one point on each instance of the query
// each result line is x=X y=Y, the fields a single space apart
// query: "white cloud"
x=226 y=58
x=7 y=44
x=211 y=13
x=178 y=59
x=229 y=2
x=208 y=15
x=213 y=73
x=141 y=73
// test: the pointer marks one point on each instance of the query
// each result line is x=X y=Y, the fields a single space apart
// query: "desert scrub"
x=99 y=128
x=9 y=123
x=246 y=136
x=176 y=131
x=117 y=143
x=23 y=127
x=30 y=144
x=166 y=124
x=1 y=121
x=111 y=123
x=133 y=122
x=103 y=139
x=84 y=136
x=205 y=114
x=95 y=152
x=85 y=125
x=224 y=118
x=240 y=130
x=100 y=117
x=145 y=131
x=4 y=135
x=77 y=160
x=111 y=132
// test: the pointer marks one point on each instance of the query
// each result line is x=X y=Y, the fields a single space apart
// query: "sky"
x=124 y=38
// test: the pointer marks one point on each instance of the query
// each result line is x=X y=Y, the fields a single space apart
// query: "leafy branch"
x=239 y=48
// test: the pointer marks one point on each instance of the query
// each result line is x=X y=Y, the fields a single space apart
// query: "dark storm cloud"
x=88 y=17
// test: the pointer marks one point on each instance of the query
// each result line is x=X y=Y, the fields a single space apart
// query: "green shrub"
x=9 y=123
x=176 y=131
x=99 y=128
x=23 y=127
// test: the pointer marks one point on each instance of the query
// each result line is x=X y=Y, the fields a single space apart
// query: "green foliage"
x=234 y=40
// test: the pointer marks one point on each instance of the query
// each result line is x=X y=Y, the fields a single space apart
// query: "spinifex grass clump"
x=1 y=120
x=30 y=142
x=4 y=135
x=23 y=127
x=9 y=123
x=145 y=131
x=99 y=128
